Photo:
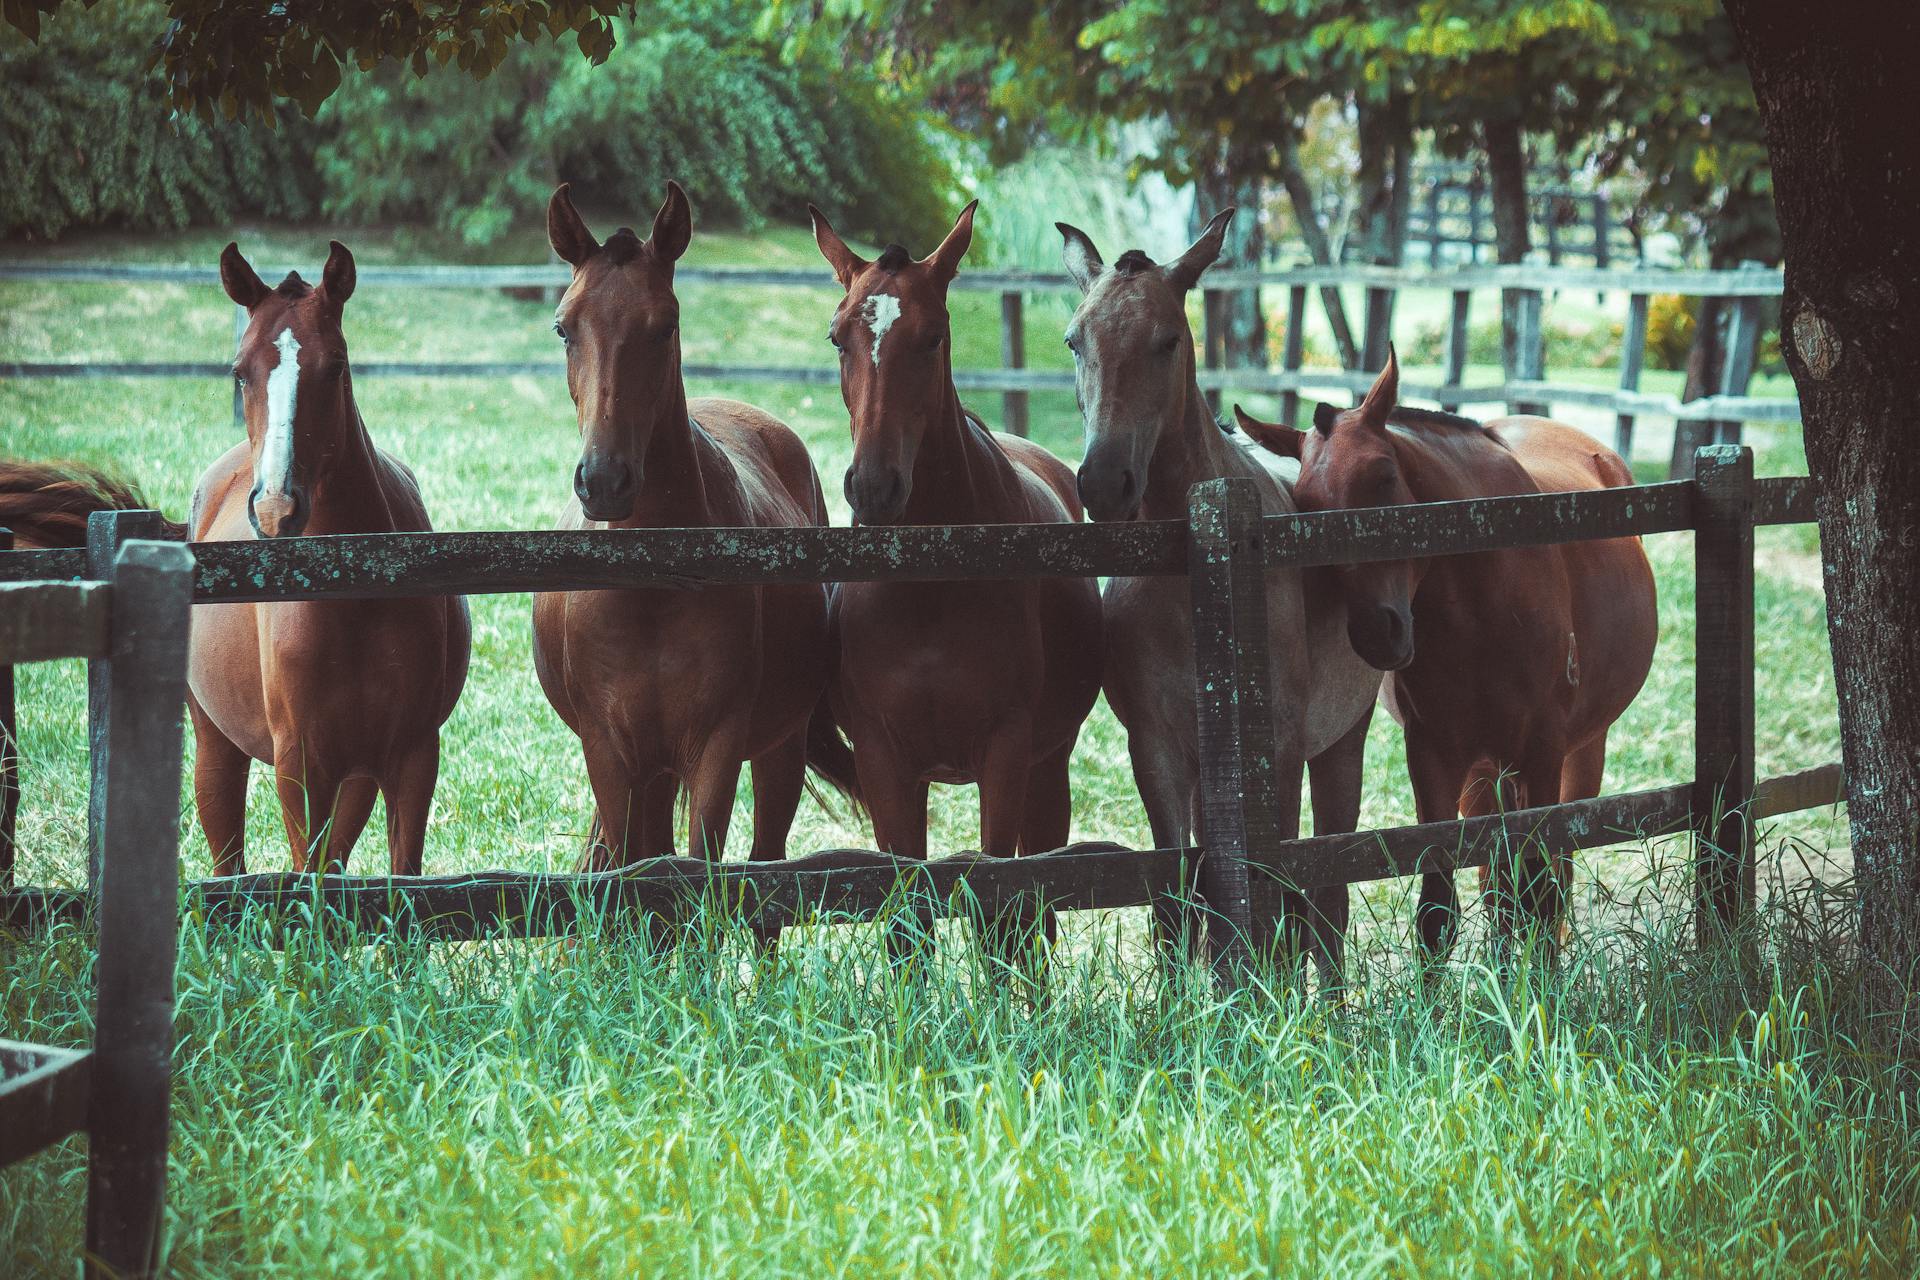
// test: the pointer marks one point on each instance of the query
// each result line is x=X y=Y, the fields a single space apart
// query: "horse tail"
x=46 y=504
x=830 y=755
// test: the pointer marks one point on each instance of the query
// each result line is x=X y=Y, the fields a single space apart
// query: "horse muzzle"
x=1110 y=487
x=606 y=487
x=877 y=494
x=280 y=513
x=1381 y=634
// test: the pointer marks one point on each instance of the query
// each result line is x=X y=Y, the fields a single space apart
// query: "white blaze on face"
x=275 y=473
x=882 y=310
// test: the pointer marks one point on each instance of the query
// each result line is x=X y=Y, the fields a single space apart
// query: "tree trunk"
x=1706 y=358
x=1300 y=192
x=1832 y=89
x=1386 y=146
x=1507 y=167
x=1243 y=325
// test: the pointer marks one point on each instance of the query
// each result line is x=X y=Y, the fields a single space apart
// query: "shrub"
x=1670 y=323
x=90 y=140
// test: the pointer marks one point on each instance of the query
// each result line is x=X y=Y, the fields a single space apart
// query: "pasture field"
x=546 y=1108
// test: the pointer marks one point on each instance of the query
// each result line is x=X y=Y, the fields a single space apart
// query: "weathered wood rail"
x=1522 y=388
x=1247 y=836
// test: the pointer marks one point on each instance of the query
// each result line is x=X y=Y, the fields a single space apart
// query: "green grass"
x=544 y=1108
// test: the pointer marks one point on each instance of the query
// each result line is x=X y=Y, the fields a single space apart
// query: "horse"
x=668 y=688
x=1505 y=668
x=344 y=698
x=1150 y=438
x=984 y=682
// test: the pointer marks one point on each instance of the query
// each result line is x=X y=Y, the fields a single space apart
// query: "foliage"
x=1671 y=321
x=88 y=137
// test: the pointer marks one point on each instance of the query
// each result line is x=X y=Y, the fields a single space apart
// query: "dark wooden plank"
x=1458 y=337
x=1244 y=781
x=1013 y=355
x=40 y=621
x=1815 y=788
x=9 y=754
x=1784 y=500
x=43 y=1097
x=61 y=565
x=107 y=532
x=1353 y=857
x=139 y=908
x=1723 y=686
x=1633 y=355
x=1742 y=352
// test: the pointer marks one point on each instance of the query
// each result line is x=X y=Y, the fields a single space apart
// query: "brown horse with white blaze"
x=953 y=682
x=1507 y=667
x=1150 y=439
x=671 y=687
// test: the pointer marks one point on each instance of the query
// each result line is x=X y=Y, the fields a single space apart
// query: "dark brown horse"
x=1151 y=438
x=668 y=687
x=344 y=698
x=982 y=682
x=1508 y=667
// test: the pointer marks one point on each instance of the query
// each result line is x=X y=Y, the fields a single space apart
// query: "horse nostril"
x=1126 y=485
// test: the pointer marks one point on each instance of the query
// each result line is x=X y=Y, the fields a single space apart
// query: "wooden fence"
x=1523 y=386
x=1251 y=842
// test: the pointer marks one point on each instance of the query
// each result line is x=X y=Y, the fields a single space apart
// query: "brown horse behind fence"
x=982 y=682
x=344 y=698
x=1507 y=667
x=669 y=688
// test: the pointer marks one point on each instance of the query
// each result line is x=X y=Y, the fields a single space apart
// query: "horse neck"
x=1194 y=451
x=674 y=485
x=1449 y=465
x=350 y=497
x=960 y=476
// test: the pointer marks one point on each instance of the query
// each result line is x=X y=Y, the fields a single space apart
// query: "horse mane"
x=293 y=288
x=46 y=504
x=1132 y=263
x=1402 y=416
x=893 y=258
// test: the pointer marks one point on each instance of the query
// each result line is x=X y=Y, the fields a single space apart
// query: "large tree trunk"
x=1834 y=90
x=1706 y=360
x=1386 y=152
x=1507 y=168
x=1300 y=192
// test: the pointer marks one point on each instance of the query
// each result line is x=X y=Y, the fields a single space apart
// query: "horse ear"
x=1324 y=416
x=566 y=229
x=1083 y=260
x=338 y=276
x=845 y=262
x=237 y=276
x=1271 y=436
x=1385 y=392
x=1185 y=270
x=673 y=225
x=945 y=260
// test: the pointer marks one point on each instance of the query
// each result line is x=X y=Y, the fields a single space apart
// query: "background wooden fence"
x=1251 y=841
x=1523 y=387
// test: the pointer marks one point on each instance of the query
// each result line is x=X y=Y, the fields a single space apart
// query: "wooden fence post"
x=1473 y=221
x=1742 y=352
x=1293 y=352
x=1013 y=355
x=107 y=531
x=9 y=758
x=1633 y=354
x=139 y=908
x=1457 y=338
x=1433 y=224
x=1523 y=343
x=1240 y=811
x=1213 y=338
x=1723 y=686
x=1602 y=233
x=1379 y=329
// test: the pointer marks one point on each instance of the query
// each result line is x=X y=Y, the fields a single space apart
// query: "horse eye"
x=1171 y=344
x=834 y=338
x=561 y=330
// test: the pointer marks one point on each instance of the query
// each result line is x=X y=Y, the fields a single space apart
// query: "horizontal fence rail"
x=1522 y=387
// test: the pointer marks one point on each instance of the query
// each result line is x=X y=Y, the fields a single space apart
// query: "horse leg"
x=1581 y=776
x=1527 y=890
x=1166 y=791
x=308 y=801
x=352 y=807
x=897 y=803
x=409 y=791
x=1436 y=782
x=618 y=799
x=1049 y=820
x=779 y=776
x=1004 y=768
x=220 y=792
x=1337 y=777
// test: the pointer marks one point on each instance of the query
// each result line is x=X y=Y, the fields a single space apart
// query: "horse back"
x=1049 y=481
x=777 y=482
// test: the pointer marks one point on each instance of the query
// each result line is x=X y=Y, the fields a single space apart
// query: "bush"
x=90 y=140
x=1671 y=320
x=686 y=95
